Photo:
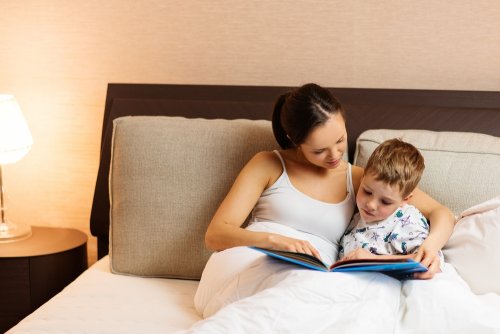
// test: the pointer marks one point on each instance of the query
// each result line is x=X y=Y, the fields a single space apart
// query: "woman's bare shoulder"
x=357 y=170
x=357 y=174
x=266 y=163
x=266 y=160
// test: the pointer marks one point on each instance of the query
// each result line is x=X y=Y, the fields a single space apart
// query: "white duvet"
x=251 y=293
x=244 y=291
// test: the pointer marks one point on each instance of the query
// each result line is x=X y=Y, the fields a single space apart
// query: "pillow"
x=461 y=168
x=168 y=175
x=473 y=247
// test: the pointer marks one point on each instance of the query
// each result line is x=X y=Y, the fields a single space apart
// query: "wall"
x=57 y=57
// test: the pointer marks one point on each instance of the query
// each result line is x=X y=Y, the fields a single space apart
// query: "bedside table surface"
x=44 y=241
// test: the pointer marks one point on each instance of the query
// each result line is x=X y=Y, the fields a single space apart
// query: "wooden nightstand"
x=35 y=269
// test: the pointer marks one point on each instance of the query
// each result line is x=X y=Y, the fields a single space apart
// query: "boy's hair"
x=396 y=162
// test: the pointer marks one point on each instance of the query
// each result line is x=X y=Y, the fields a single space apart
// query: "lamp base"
x=10 y=231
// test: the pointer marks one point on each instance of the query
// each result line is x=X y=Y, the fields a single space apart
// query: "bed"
x=152 y=254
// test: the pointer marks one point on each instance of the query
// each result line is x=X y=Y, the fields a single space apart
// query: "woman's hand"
x=359 y=253
x=442 y=222
x=280 y=242
x=428 y=255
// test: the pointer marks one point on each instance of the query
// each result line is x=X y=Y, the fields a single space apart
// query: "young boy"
x=386 y=224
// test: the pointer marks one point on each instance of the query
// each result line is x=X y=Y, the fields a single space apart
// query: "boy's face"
x=377 y=200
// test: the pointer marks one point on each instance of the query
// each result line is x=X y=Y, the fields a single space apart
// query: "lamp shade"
x=15 y=136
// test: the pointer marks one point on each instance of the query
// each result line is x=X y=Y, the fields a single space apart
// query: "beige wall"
x=57 y=57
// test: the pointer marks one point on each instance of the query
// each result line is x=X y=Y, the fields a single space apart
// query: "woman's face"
x=326 y=144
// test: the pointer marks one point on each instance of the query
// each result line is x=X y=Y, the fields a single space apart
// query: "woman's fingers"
x=419 y=254
x=433 y=268
x=315 y=253
x=306 y=248
x=280 y=242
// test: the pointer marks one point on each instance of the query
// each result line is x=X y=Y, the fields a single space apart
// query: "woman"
x=300 y=198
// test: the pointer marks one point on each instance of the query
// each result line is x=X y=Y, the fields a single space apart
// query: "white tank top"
x=282 y=203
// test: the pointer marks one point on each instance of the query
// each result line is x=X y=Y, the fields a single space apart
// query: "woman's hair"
x=396 y=162
x=301 y=110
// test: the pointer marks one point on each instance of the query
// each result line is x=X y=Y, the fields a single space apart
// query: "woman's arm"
x=224 y=231
x=441 y=224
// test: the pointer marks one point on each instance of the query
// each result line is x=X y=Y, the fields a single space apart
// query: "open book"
x=397 y=268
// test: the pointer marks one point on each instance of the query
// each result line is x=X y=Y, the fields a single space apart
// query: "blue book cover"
x=398 y=268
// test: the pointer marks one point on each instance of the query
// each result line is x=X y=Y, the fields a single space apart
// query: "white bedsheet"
x=102 y=302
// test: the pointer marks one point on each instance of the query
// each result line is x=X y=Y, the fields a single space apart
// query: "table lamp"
x=15 y=142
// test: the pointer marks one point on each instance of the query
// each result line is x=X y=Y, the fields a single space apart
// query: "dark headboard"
x=438 y=110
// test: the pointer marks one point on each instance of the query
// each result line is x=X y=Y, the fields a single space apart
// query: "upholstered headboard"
x=466 y=111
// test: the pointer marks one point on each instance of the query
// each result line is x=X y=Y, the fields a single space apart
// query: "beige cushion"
x=473 y=247
x=168 y=175
x=462 y=169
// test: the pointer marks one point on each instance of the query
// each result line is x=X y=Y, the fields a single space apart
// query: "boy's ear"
x=407 y=198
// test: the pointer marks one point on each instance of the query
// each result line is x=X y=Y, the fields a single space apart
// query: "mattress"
x=99 y=301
